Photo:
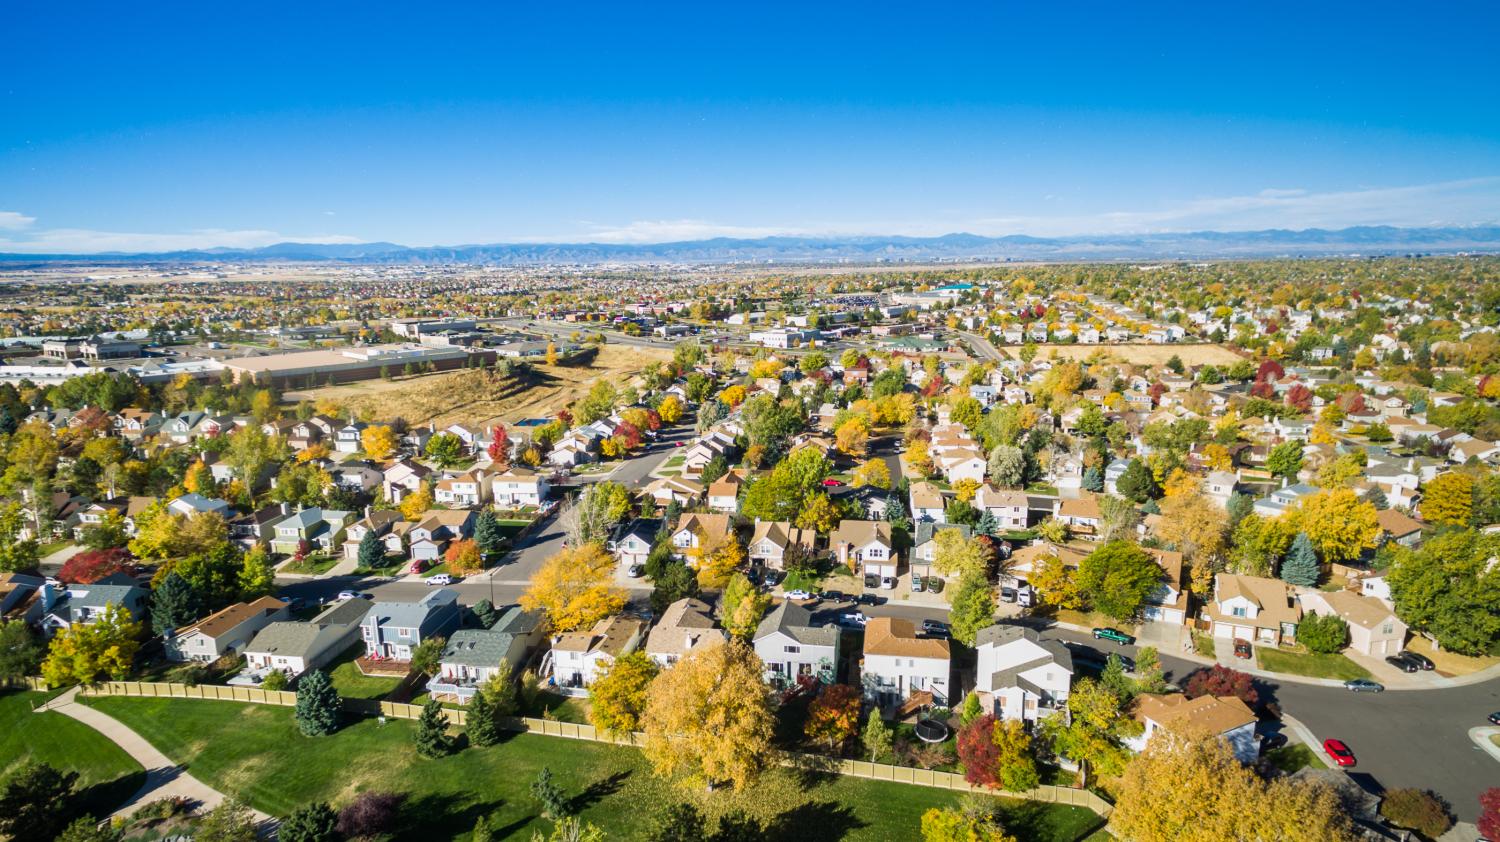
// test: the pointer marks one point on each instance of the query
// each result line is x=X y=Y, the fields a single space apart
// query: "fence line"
x=1046 y=793
x=29 y=682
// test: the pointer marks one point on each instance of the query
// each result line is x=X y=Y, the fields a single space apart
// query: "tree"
x=718 y=559
x=1136 y=483
x=1417 y=810
x=427 y=656
x=1285 y=459
x=876 y=738
x=416 y=504
x=593 y=516
x=852 y=437
x=231 y=821
x=481 y=720
x=432 y=738
x=35 y=801
x=314 y=822
x=946 y=824
x=83 y=653
x=742 y=606
x=973 y=607
x=20 y=651
x=1213 y=796
x=173 y=605
x=1117 y=578
x=499 y=449
x=90 y=566
x=873 y=472
x=1219 y=680
x=487 y=533
x=371 y=551
x=86 y=828
x=1449 y=499
x=1323 y=633
x=818 y=514
x=1057 y=583
x=1449 y=588
x=1300 y=567
x=710 y=716
x=445 y=449
x=1196 y=527
x=575 y=588
x=617 y=698
x=370 y=814
x=670 y=409
x=979 y=752
x=1007 y=466
x=1489 y=815
x=959 y=556
x=318 y=705
x=463 y=557
x=257 y=576
x=546 y=792
x=1016 y=769
x=1091 y=731
x=1339 y=524
x=378 y=441
x=833 y=717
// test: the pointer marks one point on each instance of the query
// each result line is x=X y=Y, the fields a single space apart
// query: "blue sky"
x=160 y=126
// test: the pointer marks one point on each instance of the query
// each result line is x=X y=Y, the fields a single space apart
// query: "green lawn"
x=106 y=774
x=1314 y=666
x=255 y=752
x=1203 y=644
x=1289 y=758
x=562 y=708
x=313 y=565
x=353 y=684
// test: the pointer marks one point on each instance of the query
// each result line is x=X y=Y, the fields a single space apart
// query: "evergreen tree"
x=1377 y=498
x=487 y=532
x=432 y=736
x=549 y=795
x=1238 y=507
x=1300 y=567
x=318 y=705
x=485 y=830
x=1093 y=480
x=479 y=723
x=174 y=604
x=987 y=524
x=485 y=613
x=35 y=802
x=315 y=822
x=7 y=421
x=680 y=823
x=1136 y=484
x=371 y=551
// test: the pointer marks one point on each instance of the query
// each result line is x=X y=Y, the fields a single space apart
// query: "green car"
x=1113 y=634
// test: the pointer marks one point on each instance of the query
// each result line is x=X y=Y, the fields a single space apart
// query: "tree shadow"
x=598 y=791
x=816 y=821
x=812 y=770
x=422 y=818
x=1027 y=819
x=105 y=797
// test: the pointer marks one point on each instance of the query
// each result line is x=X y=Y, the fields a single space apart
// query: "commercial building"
x=345 y=365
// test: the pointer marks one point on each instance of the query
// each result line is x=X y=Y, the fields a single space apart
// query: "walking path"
x=164 y=779
x=1481 y=738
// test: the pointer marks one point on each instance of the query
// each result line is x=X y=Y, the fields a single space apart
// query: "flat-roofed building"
x=345 y=365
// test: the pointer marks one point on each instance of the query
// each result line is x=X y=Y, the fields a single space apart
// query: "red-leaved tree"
x=92 y=565
x=1489 y=813
x=1269 y=370
x=1299 y=396
x=500 y=446
x=1219 y=680
x=979 y=753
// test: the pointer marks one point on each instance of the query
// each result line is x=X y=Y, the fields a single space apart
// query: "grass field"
x=256 y=753
x=1314 y=666
x=477 y=397
x=1138 y=354
x=106 y=774
x=353 y=684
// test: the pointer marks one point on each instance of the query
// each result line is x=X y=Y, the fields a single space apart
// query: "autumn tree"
x=833 y=717
x=464 y=558
x=742 y=606
x=416 y=504
x=1449 y=499
x=1091 y=731
x=1219 y=680
x=378 y=441
x=1117 y=578
x=90 y=566
x=718 y=561
x=709 y=717
x=1340 y=525
x=575 y=588
x=948 y=824
x=958 y=555
x=499 y=449
x=997 y=754
x=1212 y=797
x=873 y=472
x=1057 y=583
x=83 y=653
x=1196 y=527
x=670 y=409
x=973 y=608
x=617 y=698
x=1449 y=588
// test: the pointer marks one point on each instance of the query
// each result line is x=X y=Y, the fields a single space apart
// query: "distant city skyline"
x=186 y=127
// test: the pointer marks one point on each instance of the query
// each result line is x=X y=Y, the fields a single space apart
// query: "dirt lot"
x=477 y=397
x=1140 y=354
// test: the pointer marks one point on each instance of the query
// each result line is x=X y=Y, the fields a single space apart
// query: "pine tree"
x=1093 y=480
x=987 y=524
x=484 y=830
x=1300 y=567
x=479 y=723
x=1377 y=498
x=315 y=822
x=371 y=551
x=546 y=792
x=487 y=532
x=432 y=736
x=317 y=705
x=174 y=604
x=484 y=613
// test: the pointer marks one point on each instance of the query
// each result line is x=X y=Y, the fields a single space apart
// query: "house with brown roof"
x=898 y=663
x=1374 y=628
x=1253 y=608
x=1008 y=506
x=686 y=625
x=1169 y=602
x=865 y=546
x=771 y=539
x=696 y=531
x=1225 y=717
x=224 y=631
x=578 y=658
x=1399 y=527
x=668 y=489
x=927 y=503
x=428 y=539
x=1082 y=515
x=724 y=493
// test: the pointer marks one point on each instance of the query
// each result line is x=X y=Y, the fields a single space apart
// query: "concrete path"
x=1481 y=738
x=164 y=779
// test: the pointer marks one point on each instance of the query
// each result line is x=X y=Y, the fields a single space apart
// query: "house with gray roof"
x=792 y=647
x=294 y=647
x=393 y=629
x=83 y=604
x=686 y=625
x=322 y=529
x=474 y=656
x=1018 y=675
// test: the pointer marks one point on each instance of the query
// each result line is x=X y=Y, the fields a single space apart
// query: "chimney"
x=286 y=509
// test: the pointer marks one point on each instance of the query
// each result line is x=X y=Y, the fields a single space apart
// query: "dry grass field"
x=1204 y=354
x=478 y=397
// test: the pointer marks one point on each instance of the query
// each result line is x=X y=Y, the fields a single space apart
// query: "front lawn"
x=106 y=774
x=256 y=753
x=1334 y=666
x=1203 y=644
x=313 y=565
x=391 y=565
x=1289 y=758
x=353 y=684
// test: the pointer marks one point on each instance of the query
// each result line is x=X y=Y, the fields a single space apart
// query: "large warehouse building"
x=307 y=369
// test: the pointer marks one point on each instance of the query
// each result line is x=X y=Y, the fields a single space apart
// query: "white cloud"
x=85 y=241
x=12 y=221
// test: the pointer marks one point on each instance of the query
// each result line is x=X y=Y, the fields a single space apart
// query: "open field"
x=1204 y=354
x=477 y=397
x=106 y=774
x=255 y=752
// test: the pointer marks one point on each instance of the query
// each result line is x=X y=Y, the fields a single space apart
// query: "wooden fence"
x=1046 y=793
x=30 y=682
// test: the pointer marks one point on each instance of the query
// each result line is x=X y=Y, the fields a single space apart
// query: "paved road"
x=982 y=346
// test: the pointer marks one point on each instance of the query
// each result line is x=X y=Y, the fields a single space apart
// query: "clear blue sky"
x=159 y=125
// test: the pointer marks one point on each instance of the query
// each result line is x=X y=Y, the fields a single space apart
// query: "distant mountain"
x=1311 y=242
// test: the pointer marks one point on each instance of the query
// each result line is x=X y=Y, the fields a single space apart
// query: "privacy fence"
x=525 y=724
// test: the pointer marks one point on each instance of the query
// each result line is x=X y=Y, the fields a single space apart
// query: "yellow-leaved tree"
x=874 y=473
x=670 y=409
x=718 y=559
x=378 y=441
x=709 y=718
x=1340 y=525
x=87 y=652
x=575 y=588
x=1197 y=527
x=416 y=503
x=1449 y=499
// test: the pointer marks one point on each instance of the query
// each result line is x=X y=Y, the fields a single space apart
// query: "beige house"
x=686 y=625
x=771 y=539
x=1374 y=629
x=1253 y=609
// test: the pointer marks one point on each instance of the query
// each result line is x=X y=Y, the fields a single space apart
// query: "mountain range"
x=1312 y=242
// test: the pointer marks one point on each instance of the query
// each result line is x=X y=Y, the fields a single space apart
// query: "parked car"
x=1363 y=685
x=1271 y=742
x=887 y=583
x=799 y=595
x=1340 y=753
x=934 y=626
x=440 y=579
x=1495 y=718
x=1422 y=661
x=916 y=584
x=636 y=571
x=832 y=483
x=774 y=578
x=1114 y=635
x=1401 y=662
x=832 y=596
x=1242 y=649
x=343 y=595
x=1008 y=595
x=871 y=581
x=868 y=599
x=295 y=603
x=853 y=620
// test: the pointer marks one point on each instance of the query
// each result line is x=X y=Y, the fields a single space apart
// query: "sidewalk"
x=163 y=778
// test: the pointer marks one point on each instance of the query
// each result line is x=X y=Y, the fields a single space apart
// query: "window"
x=1237 y=611
x=1388 y=628
x=792 y=650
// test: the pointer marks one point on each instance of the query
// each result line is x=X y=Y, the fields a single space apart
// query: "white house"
x=1223 y=716
x=687 y=625
x=1020 y=676
x=519 y=487
x=227 y=630
x=793 y=648
x=466 y=489
x=1009 y=507
x=577 y=659
x=898 y=664
x=927 y=503
x=865 y=546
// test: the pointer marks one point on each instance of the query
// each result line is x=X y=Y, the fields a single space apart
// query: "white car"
x=798 y=595
x=853 y=619
x=343 y=595
x=887 y=583
x=440 y=579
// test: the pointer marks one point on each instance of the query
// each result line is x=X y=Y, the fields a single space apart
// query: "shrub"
x=92 y=565
x=1417 y=810
x=1323 y=633
x=315 y=822
x=370 y=814
x=276 y=680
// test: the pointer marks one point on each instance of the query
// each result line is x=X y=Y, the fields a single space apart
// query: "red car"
x=832 y=483
x=1340 y=753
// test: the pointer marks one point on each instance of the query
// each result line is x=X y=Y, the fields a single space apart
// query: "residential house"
x=865 y=546
x=686 y=625
x=1254 y=609
x=724 y=493
x=924 y=545
x=519 y=487
x=383 y=524
x=578 y=658
x=898 y=663
x=427 y=540
x=961 y=464
x=358 y=477
x=402 y=478
x=1009 y=507
x=1169 y=602
x=183 y=428
x=697 y=532
x=473 y=656
x=225 y=631
x=793 y=649
x=666 y=490
x=322 y=529
x=1018 y=675
x=1225 y=717
x=83 y=604
x=1374 y=628
x=1220 y=487
x=469 y=488
x=1283 y=500
x=347 y=439
x=771 y=539
x=391 y=629
x=1082 y=515
x=927 y=503
x=257 y=527
x=632 y=542
x=294 y=647
x=191 y=504
x=1399 y=527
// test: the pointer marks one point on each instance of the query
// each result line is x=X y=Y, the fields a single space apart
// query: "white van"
x=440 y=579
